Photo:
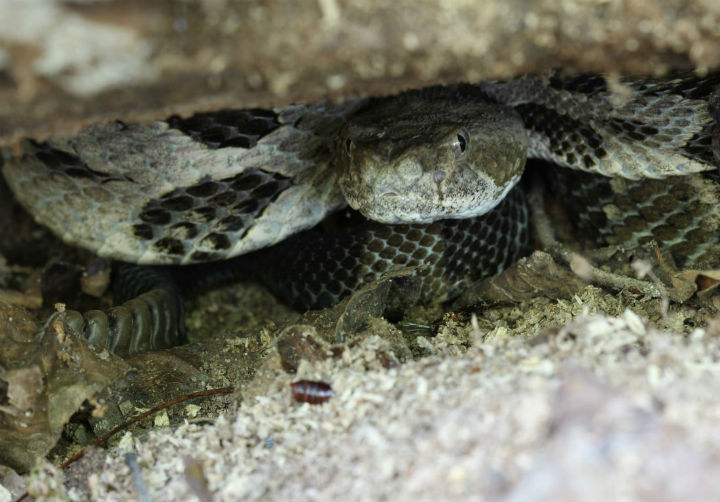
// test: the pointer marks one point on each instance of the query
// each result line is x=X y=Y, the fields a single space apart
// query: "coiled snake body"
x=433 y=168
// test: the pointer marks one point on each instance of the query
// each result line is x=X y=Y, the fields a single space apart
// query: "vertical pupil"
x=461 y=140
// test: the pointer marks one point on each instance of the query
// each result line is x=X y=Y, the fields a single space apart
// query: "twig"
x=137 y=418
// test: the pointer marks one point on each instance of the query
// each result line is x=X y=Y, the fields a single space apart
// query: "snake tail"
x=149 y=314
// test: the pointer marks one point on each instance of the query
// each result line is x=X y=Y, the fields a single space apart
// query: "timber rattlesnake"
x=217 y=185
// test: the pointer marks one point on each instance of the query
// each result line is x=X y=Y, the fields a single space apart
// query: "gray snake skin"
x=437 y=169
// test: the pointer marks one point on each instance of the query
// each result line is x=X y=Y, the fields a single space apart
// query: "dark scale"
x=673 y=212
x=585 y=84
x=632 y=129
x=227 y=128
x=699 y=147
x=321 y=267
x=65 y=162
x=217 y=212
x=567 y=137
x=204 y=189
x=689 y=88
x=170 y=246
x=143 y=231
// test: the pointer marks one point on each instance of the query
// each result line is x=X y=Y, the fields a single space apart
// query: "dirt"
x=545 y=400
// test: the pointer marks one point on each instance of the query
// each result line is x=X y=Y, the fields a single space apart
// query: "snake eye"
x=348 y=146
x=460 y=144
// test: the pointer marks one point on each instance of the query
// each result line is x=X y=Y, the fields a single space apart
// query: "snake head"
x=429 y=155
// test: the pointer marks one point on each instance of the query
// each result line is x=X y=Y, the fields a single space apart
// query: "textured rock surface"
x=63 y=64
x=604 y=408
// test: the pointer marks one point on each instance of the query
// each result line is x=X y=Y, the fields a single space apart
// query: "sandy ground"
x=593 y=407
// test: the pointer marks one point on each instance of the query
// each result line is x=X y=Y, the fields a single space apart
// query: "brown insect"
x=310 y=391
